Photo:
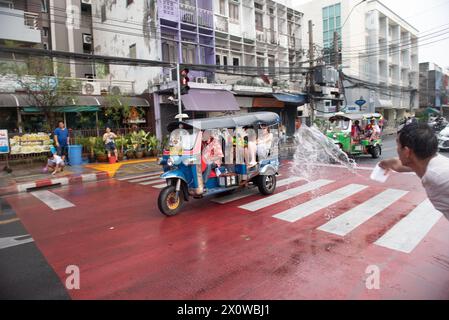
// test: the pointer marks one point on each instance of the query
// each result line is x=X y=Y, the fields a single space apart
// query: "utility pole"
x=337 y=62
x=178 y=72
x=311 y=71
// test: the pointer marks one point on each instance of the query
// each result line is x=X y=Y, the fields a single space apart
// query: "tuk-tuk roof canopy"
x=250 y=119
x=355 y=116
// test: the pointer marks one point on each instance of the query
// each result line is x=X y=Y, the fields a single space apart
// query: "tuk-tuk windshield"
x=339 y=125
x=182 y=139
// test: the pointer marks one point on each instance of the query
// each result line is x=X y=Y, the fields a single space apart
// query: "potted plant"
x=91 y=143
x=154 y=145
x=137 y=141
x=101 y=155
x=120 y=143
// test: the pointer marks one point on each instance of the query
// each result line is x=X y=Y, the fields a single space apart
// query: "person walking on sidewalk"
x=417 y=148
x=109 y=142
x=61 y=137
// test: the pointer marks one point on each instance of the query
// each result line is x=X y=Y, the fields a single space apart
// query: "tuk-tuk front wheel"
x=169 y=202
x=375 y=152
x=266 y=184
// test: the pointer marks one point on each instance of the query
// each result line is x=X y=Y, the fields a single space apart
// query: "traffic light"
x=185 y=81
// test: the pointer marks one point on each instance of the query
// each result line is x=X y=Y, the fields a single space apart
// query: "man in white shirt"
x=417 y=148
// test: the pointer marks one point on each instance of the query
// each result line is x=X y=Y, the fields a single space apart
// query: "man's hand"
x=394 y=164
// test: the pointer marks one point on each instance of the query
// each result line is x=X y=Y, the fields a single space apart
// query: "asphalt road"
x=311 y=240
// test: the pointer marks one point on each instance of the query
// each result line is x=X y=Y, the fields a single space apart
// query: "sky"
x=425 y=15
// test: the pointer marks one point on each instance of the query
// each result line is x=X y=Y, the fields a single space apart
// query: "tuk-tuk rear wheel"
x=168 y=202
x=375 y=152
x=267 y=184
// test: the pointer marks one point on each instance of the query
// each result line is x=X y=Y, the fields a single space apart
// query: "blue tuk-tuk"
x=185 y=166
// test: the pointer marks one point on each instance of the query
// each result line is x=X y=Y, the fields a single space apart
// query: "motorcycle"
x=438 y=124
x=443 y=139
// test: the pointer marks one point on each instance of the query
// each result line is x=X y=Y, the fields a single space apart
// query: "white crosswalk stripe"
x=285 y=195
x=408 y=233
x=52 y=200
x=353 y=218
x=145 y=179
x=153 y=174
x=314 y=205
x=151 y=182
x=250 y=192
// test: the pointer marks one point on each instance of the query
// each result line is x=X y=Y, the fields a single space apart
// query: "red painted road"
x=126 y=249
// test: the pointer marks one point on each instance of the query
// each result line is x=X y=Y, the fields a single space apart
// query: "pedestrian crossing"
x=404 y=236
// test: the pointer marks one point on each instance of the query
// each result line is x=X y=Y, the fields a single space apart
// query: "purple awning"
x=209 y=100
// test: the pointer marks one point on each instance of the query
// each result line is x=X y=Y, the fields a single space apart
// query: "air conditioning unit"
x=91 y=88
x=115 y=90
x=87 y=38
x=86 y=2
x=201 y=79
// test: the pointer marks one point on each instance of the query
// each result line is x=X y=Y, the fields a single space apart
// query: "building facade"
x=378 y=53
x=433 y=86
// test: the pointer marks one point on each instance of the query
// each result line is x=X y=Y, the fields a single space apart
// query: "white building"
x=260 y=33
x=127 y=29
x=378 y=47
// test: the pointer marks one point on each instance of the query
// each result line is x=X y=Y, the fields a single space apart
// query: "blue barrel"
x=75 y=155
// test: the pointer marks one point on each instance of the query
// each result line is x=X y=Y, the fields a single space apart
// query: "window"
x=103 y=13
x=44 y=7
x=217 y=59
x=234 y=12
x=259 y=21
x=331 y=24
x=44 y=32
x=132 y=51
x=260 y=62
x=7 y=4
x=188 y=53
x=235 y=62
x=128 y=2
x=222 y=7
x=225 y=60
x=169 y=51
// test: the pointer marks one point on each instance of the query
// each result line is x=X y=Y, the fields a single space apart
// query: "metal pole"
x=311 y=65
x=179 y=92
x=336 y=62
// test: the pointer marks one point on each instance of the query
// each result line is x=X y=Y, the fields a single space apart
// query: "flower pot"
x=102 y=158
x=139 y=154
x=130 y=155
x=147 y=153
x=91 y=158
x=153 y=153
x=120 y=156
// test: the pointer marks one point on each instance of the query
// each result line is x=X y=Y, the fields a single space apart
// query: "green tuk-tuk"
x=356 y=133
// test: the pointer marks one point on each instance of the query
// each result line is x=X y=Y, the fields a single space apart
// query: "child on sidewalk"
x=56 y=163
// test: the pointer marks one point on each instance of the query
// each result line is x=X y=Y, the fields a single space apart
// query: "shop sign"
x=30 y=143
x=4 y=146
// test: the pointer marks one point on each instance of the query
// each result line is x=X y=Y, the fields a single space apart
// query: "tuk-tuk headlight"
x=170 y=162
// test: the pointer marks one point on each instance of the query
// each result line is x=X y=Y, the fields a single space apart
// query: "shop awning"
x=267 y=103
x=209 y=100
x=14 y=100
x=126 y=101
x=66 y=109
x=297 y=99
x=432 y=111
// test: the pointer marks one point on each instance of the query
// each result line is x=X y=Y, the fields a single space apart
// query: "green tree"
x=45 y=82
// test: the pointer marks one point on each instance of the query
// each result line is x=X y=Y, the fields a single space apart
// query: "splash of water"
x=313 y=149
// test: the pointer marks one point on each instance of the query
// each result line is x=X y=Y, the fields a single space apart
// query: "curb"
x=71 y=179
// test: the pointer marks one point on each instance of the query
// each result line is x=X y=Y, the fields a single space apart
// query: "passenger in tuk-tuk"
x=212 y=154
x=372 y=130
x=264 y=142
x=356 y=131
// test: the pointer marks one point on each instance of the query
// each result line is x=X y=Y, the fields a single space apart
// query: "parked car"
x=443 y=139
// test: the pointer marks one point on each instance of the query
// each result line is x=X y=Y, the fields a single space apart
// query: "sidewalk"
x=24 y=177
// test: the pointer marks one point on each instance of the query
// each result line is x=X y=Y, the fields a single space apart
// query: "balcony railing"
x=187 y=13
x=221 y=23
x=32 y=20
x=205 y=18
